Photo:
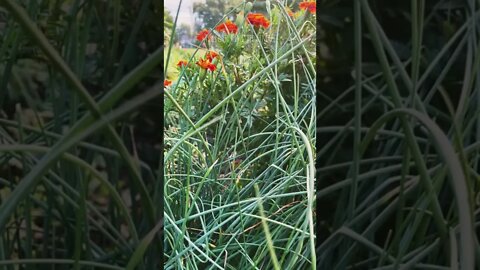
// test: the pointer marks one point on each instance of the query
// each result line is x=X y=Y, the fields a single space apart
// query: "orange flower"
x=206 y=64
x=308 y=5
x=257 y=19
x=203 y=34
x=211 y=55
x=167 y=83
x=227 y=27
x=182 y=63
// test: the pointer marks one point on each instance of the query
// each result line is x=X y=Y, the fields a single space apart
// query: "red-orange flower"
x=205 y=64
x=227 y=27
x=308 y=5
x=211 y=55
x=167 y=83
x=182 y=63
x=257 y=19
x=203 y=34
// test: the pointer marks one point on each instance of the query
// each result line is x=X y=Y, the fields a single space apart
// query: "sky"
x=186 y=11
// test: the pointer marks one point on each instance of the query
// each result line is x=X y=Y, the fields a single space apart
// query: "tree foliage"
x=211 y=12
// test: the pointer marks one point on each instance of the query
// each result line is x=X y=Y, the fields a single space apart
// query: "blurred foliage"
x=167 y=26
x=336 y=35
x=441 y=21
x=111 y=50
x=101 y=41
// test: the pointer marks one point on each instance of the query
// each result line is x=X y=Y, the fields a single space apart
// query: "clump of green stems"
x=214 y=217
x=407 y=200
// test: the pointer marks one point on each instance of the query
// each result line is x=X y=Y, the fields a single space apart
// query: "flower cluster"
x=308 y=5
x=228 y=27
x=257 y=20
x=167 y=83
x=207 y=62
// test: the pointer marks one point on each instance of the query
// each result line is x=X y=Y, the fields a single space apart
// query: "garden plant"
x=80 y=134
x=239 y=177
x=399 y=129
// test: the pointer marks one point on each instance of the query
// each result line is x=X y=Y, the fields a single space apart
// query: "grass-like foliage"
x=80 y=94
x=240 y=143
x=406 y=197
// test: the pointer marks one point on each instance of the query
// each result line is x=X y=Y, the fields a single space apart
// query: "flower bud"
x=248 y=6
x=240 y=19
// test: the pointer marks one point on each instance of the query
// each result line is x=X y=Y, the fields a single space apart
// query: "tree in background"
x=183 y=34
x=211 y=12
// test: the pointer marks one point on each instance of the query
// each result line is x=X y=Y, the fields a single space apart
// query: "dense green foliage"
x=239 y=147
x=80 y=134
x=398 y=125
